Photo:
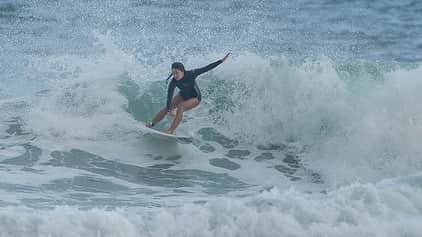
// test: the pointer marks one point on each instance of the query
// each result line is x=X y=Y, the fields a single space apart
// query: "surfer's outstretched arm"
x=170 y=92
x=211 y=66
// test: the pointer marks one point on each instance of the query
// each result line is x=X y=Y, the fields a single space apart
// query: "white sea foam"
x=355 y=210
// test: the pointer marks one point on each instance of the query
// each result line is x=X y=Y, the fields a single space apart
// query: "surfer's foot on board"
x=169 y=131
x=149 y=124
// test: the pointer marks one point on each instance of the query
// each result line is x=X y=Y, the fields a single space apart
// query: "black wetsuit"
x=187 y=85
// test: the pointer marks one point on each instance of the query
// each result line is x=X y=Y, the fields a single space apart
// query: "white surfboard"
x=162 y=135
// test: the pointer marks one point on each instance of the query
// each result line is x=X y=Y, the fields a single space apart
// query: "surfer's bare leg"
x=182 y=107
x=160 y=115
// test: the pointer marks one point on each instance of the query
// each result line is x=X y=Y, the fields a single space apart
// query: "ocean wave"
x=355 y=210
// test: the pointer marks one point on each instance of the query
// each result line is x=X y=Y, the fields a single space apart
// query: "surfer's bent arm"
x=199 y=71
x=170 y=92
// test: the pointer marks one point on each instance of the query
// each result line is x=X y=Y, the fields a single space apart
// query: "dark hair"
x=167 y=80
x=179 y=66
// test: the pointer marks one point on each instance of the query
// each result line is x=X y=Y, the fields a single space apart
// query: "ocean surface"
x=312 y=127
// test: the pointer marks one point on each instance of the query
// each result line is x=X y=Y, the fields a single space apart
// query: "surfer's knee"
x=181 y=108
x=173 y=105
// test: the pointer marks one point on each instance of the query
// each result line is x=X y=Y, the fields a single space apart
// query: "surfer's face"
x=177 y=73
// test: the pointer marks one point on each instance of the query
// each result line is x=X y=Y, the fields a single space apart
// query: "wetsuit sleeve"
x=201 y=70
x=170 y=92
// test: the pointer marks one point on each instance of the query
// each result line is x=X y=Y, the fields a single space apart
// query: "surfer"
x=189 y=95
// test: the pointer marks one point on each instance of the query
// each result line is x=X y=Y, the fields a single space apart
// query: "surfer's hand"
x=225 y=57
x=171 y=113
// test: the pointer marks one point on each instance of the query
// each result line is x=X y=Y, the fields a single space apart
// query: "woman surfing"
x=189 y=95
